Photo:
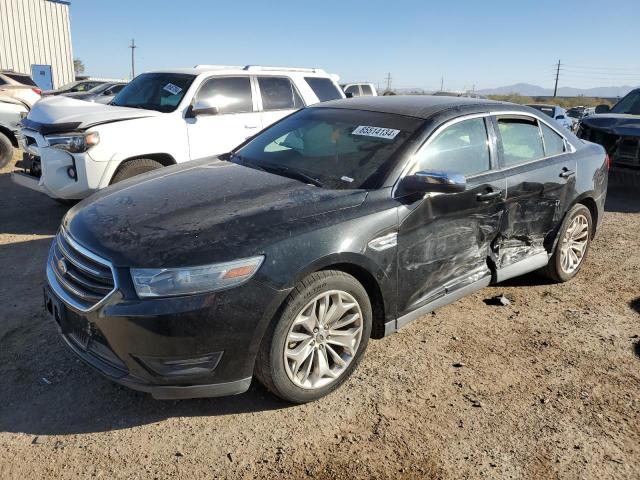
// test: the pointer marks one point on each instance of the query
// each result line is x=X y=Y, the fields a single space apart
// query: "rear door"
x=278 y=97
x=237 y=119
x=540 y=172
x=444 y=240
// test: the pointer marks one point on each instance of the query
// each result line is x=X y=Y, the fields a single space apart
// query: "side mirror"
x=424 y=182
x=349 y=95
x=602 y=108
x=203 y=107
x=560 y=117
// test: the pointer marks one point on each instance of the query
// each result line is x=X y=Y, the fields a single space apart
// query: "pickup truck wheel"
x=574 y=239
x=135 y=167
x=6 y=150
x=319 y=338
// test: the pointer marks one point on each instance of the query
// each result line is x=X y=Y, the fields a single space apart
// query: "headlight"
x=74 y=142
x=167 y=282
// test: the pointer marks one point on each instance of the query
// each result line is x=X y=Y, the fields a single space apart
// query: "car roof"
x=419 y=106
x=245 y=70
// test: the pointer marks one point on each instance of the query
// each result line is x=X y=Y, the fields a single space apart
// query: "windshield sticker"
x=172 y=89
x=346 y=179
x=388 y=133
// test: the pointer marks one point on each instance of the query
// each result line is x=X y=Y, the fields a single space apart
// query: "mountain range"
x=529 y=90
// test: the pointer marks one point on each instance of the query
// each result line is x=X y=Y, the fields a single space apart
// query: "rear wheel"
x=135 y=167
x=574 y=239
x=318 y=340
x=6 y=150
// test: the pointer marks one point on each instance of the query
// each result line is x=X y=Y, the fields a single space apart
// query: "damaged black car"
x=617 y=129
x=342 y=222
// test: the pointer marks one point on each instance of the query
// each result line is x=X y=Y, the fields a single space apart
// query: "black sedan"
x=343 y=221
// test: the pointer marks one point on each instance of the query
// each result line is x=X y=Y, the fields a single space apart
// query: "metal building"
x=35 y=38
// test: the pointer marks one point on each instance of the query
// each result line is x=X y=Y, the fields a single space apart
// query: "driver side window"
x=462 y=148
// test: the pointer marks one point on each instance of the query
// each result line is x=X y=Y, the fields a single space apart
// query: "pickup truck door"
x=277 y=98
x=445 y=239
x=541 y=174
x=237 y=118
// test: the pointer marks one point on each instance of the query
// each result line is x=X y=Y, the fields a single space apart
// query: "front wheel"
x=574 y=239
x=319 y=338
x=134 y=167
x=6 y=150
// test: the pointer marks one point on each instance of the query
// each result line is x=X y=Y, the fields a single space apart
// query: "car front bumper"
x=151 y=345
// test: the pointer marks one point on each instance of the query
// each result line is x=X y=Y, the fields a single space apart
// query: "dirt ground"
x=547 y=387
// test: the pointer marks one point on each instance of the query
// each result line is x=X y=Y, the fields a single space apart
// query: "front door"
x=236 y=120
x=540 y=180
x=444 y=240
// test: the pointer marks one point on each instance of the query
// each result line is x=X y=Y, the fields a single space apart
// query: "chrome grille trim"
x=88 y=280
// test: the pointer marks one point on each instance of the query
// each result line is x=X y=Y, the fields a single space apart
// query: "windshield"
x=23 y=79
x=544 y=109
x=331 y=147
x=630 y=104
x=162 y=92
x=575 y=112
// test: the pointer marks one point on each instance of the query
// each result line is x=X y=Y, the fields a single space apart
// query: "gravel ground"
x=545 y=387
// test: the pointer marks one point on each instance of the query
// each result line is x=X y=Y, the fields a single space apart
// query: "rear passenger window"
x=229 y=94
x=462 y=148
x=366 y=90
x=324 y=88
x=553 y=143
x=278 y=93
x=521 y=141
x=353 y=90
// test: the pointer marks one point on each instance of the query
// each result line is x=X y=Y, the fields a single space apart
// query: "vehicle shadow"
x=25 y=212
x=623 y=199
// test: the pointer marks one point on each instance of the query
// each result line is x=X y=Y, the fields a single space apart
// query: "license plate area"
x=69 y=323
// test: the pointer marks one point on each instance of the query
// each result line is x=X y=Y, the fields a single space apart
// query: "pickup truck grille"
x=85 y=278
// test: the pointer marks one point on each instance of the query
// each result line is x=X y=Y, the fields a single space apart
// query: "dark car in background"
x=343 y=221
x=617 y=129
x=101 y=94
x=73 y=87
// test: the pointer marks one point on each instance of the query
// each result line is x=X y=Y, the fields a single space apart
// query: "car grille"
x=85 y=278
x=623 y=150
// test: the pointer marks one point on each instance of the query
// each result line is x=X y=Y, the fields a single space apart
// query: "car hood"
x=59 y=113
x=203 y=212
x=618 y=124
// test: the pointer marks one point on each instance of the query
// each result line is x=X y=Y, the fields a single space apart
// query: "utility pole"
x=388 y=78
x=555 y=89
x=442 y=84
x=133 y=46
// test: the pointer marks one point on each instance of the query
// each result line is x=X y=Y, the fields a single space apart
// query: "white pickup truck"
x=74 y=148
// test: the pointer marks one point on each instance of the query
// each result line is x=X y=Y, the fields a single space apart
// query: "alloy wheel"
x=323 y=339
x=574 y=244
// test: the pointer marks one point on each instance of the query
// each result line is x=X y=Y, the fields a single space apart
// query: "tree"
x=78 y=66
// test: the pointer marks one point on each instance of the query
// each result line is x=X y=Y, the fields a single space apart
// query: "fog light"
x=180 y=366
x=71 y=171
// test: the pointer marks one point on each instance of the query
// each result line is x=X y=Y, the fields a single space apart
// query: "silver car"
x=559 y=114
x=101 y=94
x=12 y=111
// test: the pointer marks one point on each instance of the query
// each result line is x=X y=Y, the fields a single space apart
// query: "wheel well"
x=9 y=134
x=590 y=203
x=370 y=284
x=164 y=158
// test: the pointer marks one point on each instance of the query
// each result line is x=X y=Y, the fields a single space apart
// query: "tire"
x=279 y=375
x=6 y=150
x=135 y=167
x=557 y=269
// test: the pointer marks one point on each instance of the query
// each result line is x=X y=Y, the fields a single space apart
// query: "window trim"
x=212 y=77
x=410 y=163
x=515 y=113
x=259 y=93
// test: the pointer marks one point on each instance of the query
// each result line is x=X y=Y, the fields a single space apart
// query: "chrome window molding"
x=57 y=287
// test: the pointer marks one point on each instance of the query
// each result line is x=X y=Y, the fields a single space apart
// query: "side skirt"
x=395 y=325
x=527 y=265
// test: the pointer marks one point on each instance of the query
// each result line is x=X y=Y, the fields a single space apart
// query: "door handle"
x=484 y=197
x=566 y=173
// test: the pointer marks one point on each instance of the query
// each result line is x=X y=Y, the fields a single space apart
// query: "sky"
x=421 y=44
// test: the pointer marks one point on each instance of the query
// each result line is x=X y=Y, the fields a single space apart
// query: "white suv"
x=74 y=148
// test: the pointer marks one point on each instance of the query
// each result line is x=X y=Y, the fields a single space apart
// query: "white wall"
x=36 y=32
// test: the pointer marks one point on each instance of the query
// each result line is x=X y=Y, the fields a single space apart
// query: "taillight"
x=37 y=90
x=608 y=160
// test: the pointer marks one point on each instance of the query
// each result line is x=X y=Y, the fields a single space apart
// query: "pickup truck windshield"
x=331 y=147
x=162 y=92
